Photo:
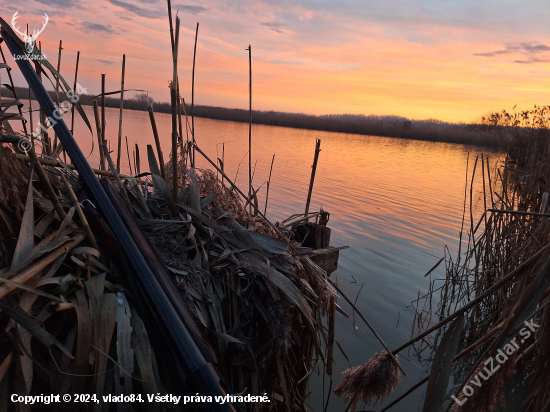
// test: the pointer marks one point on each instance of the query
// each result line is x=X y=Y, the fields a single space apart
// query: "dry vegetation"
x=505 y=267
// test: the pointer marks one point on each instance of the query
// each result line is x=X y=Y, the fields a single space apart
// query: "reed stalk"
x=113 y=170
x=173 y=94
x=137 y=166
x=128 y=154
x=120 y=115
x=99 y=136
x=268 y=183
x=313 y=170
x=57 y=91
x=103 y=139
x=193 y=97
x=157 y=141
x=79 y=211
x=46 y=147
x=171 y=24
x=74 y=90
x=250 y=125
x=180 y=125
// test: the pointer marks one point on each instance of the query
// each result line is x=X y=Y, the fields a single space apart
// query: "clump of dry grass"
x=181 y=167
x=209 y=183
x=371 y=382
x=227 y=199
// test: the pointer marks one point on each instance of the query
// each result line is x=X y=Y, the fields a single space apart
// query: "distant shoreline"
x=385 y=126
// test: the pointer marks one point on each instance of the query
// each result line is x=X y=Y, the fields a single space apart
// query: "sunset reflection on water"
x=395 y=202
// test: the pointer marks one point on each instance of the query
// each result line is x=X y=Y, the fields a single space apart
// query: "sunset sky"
x=449 y=60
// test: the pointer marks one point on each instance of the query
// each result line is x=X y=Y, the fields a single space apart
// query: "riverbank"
x=389 y=126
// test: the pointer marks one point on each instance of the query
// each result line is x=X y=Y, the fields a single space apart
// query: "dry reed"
x=371 y=382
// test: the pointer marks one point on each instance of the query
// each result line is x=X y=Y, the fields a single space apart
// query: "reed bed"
x=258 y=302
x=503 y=267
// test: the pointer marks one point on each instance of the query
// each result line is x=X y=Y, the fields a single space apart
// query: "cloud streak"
x=63 y=4
x=105 y=61
x=189 y=9
x=534 y=52
x=274 y=25
x=88 y=27
x=140 y=11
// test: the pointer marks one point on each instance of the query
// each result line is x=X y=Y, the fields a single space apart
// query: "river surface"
x=395 y=202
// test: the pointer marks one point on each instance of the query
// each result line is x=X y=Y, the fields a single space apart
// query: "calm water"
x=395 y=202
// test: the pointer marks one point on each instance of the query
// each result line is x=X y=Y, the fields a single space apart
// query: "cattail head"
x=371 y=382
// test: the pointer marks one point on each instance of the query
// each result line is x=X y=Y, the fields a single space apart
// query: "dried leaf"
x=25 y=240
x=107 y=324
x=12 y=309
x=161 y=185
x=153 y=165
x=125 y=353
x=5 y=365
x=83 y=343
x=44 y=223
x=142 y=348
x=435 y=266
x=194 y=195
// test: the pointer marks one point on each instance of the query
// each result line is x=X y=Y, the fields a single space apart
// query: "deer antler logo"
x=30 y=40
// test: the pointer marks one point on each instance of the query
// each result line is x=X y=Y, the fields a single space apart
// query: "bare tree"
x=143 y=97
